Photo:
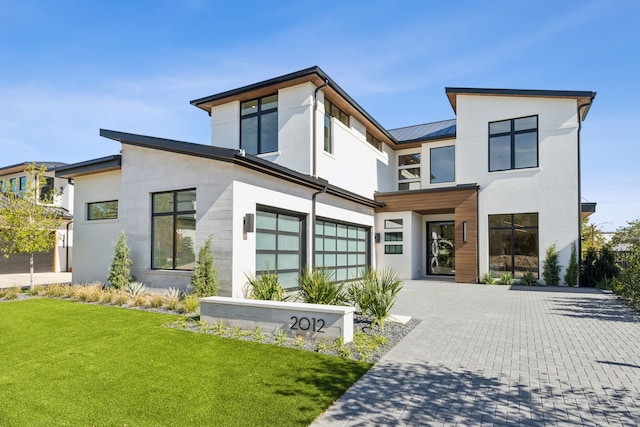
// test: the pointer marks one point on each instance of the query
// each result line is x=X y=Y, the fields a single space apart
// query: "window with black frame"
x=173 y=230
x=102 y=210
x=513 y=144
x=513 y=244
x=259 y=125
x=280 y=245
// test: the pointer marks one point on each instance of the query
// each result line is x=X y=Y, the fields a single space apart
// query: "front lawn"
x=66 y=363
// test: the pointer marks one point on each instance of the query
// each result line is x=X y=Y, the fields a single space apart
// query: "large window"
x=513 y=243
x=173 y=230
x=342 y=249
x=280 y=245
x=513 y=144
x=259 y=125
x=409 y=172
x=443 y=164
x=102 y=210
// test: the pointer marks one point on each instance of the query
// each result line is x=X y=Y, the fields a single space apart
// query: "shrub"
x=139 y=300
x=119 y=271
x=156 y=301
x=204 y=279
x=376 y=294
x=318 y=287
x=36 y=290
x=56 y=290
x=627 y=284
x=281 y=337
x=11 y=293
x=488 y=278
x=257 y=335
x=190 y=304
x=551 y=268
x=597 y=266
x=265 y=287
x=172 y=299
x=528 y=279
x=135 y=288
x=121 y=298
x=573 y=270
x=507 y=279
x=107 y=296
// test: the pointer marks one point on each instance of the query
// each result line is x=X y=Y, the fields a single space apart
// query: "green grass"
x=65 y=363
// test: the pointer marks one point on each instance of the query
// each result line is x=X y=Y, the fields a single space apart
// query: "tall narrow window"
x=409 y=172
x=259 y=125
x=513 y=243
x=342 y=249
x=442 y=164
x=328 y=134
x=23 y=183
x=173 y=230
x=279 y=245
x=513 y=144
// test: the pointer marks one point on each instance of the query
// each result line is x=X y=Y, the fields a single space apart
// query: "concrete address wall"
x=295 y=319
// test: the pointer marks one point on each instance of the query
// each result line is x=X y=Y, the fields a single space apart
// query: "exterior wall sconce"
x=249 y=223
x=465 y=232
x=377 y=237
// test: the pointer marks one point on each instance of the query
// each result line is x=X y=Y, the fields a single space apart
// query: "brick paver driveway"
x=493 y=355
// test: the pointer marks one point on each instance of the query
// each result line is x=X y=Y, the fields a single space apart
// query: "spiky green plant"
x=551 y=268
x=489 y=278
x=528 y=279
x=573 y=269
x=318 y=287
x=265 y=287
x=507 y=279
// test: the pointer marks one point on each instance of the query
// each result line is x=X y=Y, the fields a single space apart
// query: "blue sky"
x=69 y=68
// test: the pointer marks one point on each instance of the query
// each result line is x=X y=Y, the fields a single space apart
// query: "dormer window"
x=259 y=125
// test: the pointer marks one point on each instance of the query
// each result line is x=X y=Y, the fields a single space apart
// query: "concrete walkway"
x=495 y=355
x=12 y=280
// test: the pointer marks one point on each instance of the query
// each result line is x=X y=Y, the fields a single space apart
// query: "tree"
x=204 y=279
x=120 y=272
x=27 y=221
x=551 y=268
x=629 y=236
x=573 y=270
x=591 y=235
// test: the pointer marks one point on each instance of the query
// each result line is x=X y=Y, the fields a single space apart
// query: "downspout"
x=67 y=248
x=314 y=173
x=314 y=168
x=580 y=107
x=311 y=263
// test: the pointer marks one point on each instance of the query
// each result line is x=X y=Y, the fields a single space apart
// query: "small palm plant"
x=318 y=287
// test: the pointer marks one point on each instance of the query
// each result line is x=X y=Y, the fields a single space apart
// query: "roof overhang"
x=584 y=99
x=313 y=75
x=587 y=209
x=21 y=167
x=103 y=164
x=238 y=157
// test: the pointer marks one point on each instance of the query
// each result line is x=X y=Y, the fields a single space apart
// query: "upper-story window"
x=443 y=168
x=23 y=183
x=328 y=134
x=513 y=144
x=374 y=141
x=409 y=172
x=330 y=109
x=259 y=125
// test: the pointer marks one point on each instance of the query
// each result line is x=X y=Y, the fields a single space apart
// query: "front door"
x=441 y=248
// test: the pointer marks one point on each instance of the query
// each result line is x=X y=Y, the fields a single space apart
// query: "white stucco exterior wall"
x=550 y=189
x=93 y=240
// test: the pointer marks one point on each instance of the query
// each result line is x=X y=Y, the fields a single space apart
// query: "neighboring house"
x=298 y=174
x=58 y=259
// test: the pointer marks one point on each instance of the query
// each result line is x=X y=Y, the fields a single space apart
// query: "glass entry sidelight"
x=441 y=248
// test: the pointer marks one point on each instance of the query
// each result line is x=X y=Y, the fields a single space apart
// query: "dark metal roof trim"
x=433 y=190
x=588 y=207
x=103 y=164
x=523 y=92
x=22 y=166
x=292 y=76
x=237 y=157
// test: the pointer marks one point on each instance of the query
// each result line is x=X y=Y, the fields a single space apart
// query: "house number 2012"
x=304 y=324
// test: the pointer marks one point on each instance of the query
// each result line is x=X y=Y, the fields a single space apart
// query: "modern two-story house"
x=297 y=174
x=15 y=178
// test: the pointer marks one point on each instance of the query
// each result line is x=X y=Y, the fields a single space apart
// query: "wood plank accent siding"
x=463 y=202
